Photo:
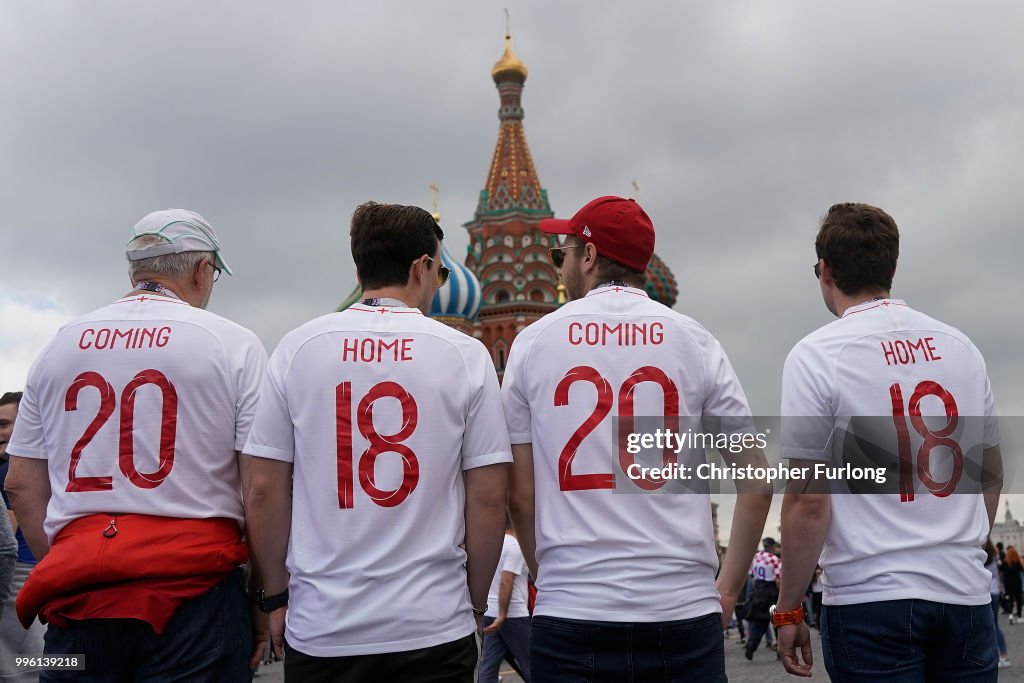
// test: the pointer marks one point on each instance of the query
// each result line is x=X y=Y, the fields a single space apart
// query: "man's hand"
x=794 y=646
x=495 y=625
x=277 y=631
x=260 y=637
x=728 y=606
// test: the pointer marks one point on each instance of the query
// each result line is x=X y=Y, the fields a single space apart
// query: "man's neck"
x=403 y=294
x=845 y=302
x=163 y=282
x=596 y=283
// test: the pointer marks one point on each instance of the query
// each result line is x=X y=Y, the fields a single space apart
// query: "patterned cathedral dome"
x=461 y=297
x=661 y=283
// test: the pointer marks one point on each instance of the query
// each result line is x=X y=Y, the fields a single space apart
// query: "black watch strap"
x=269 y=603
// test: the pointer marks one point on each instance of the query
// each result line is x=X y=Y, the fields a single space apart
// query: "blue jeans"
x=1000 y=639
x=208 y=639
x=899 y=641
x=576 y=651
x=511 y=642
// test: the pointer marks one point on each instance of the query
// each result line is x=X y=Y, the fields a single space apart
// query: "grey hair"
x=168 y=265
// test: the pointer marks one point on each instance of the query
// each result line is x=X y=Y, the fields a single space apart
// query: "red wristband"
x=786 y=618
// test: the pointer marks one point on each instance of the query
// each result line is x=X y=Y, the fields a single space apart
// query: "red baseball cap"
x=619 y=228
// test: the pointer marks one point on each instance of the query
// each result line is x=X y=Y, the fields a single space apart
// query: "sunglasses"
x=558 y=255
x=817 y=269
x=443 y=272
x=216 y=270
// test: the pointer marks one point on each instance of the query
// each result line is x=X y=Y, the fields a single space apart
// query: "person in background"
x=15 y=638
x=1012 y=570
x=507 y=620
x=991 y=564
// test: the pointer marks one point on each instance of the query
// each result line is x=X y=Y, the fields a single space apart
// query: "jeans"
x=209 y=639
x=899 y=641
x=1000 y=639
x=576 y=651
x=511 y=642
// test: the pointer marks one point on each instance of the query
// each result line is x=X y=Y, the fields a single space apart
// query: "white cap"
x=181 y=230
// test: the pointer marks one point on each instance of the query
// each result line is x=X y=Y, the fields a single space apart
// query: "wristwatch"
x=269 y=603
x=786 y=618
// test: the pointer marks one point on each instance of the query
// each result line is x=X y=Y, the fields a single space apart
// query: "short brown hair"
x=387 y=238
x=860 y=243
x=10 y=397
x=608 y=270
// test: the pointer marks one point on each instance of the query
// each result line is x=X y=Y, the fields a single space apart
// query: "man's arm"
x=992 y=480
x=28 y=487
x=267 y=494
x=752 y=502
x=504 y=598
x=806 y=511
x=486 y=488
x=521 y=503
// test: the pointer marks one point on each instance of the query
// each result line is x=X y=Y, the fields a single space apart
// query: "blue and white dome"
x=461 y=296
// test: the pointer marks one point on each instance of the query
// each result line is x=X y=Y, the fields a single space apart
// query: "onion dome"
x=509 y=68
x=461 y=296
x=661 y=283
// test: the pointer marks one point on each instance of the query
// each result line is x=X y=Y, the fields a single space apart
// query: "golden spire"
x=636 y=191
x=509 y=68
x=433 y=201
x=563 y=296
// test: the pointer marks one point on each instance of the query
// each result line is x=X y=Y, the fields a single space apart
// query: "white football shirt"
x=380 y=409
x=139 y=407
x=884 y=359
x=602 y=554
x=512 y=560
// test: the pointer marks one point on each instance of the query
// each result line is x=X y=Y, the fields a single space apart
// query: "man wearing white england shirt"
x=905 y=585
x=126 y=443
x=389 y=426
x=625 y=575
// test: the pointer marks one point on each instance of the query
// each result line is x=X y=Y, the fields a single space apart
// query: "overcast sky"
x=741 y=121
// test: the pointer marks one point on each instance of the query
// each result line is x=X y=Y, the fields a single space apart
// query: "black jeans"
x=446 y=663
x=209 y=639
x=576 y=651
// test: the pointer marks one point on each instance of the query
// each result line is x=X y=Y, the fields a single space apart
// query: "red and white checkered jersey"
x=603 y=553
x=928 y=385
x=139 y=407
x=380 y=409
x=766 y=566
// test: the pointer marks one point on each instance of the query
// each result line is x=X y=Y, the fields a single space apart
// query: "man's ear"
x=197 y=275
x=589 y=255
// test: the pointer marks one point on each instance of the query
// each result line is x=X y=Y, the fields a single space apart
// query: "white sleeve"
x=272 y=434
x=725 y=407
x=28 y=439
x=513 y=560
x=485 y=441
x=513 y=395
x=991 y=437
x=807 y=420
x=250 y=374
